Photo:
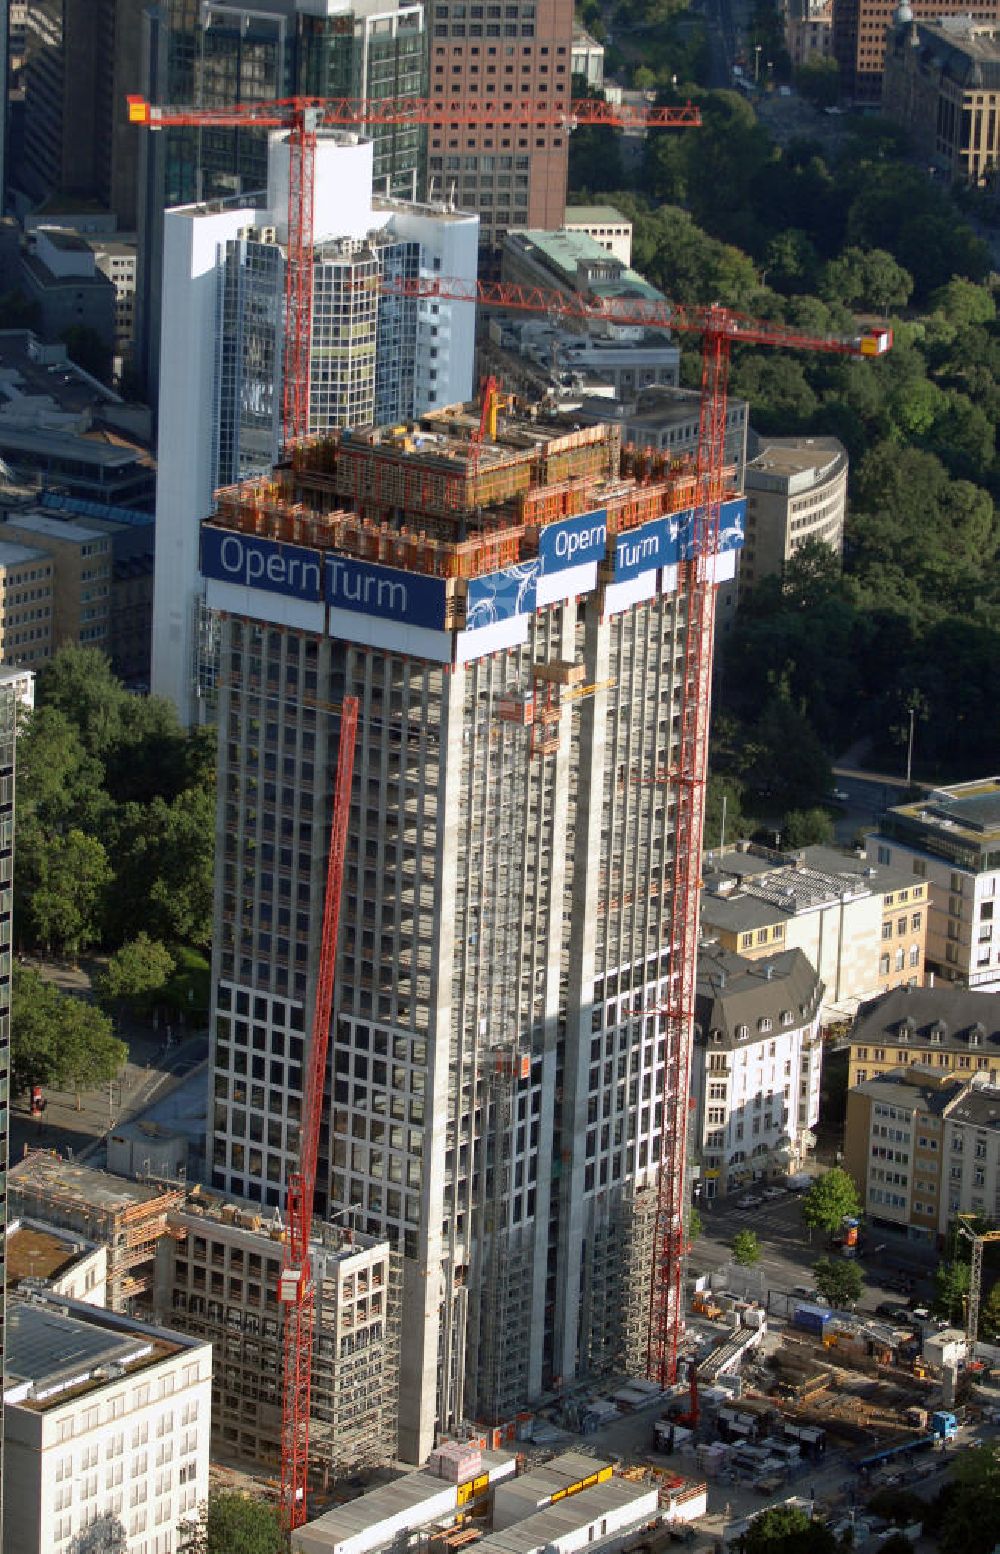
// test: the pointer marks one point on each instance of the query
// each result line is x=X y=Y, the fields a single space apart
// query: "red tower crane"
x=296 y=1289
x=304 y=116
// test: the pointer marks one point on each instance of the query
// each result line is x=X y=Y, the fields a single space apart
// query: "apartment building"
x=796 y=491
x=513 y=176
x=498 y=1057
x=37 y=1254
x=755 y=1073
x=922 y=1147
x=17 y=695
x=79 y=557
x=950 y=841
x=945 y=1028
x=862 y=928
x=217 y=1278
x=106 y=1421
x=374 y=356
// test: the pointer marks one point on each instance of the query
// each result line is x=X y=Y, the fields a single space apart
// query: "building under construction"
x=127 y=1218
x=509 y=601
x=218 y=1278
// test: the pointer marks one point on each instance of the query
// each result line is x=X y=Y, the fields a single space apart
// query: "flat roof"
x=12 y=554
x=969 y=809
x=407 y=1493
x=554 y=1522
x=793 y=455
x=565 y=251
x=606 y=215
x=56 y=528
x=68 y=446
x=93 y=1188
x=37 y=1252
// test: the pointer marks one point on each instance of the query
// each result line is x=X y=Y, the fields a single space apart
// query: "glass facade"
x=252 y=313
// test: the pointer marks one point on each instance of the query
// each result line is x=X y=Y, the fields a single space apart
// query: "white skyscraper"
x=375 y=357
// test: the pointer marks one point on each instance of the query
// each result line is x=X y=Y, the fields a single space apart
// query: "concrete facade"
x=604 y=224
x=796 y=491
x=104 y=1417
x=497 y=1053
x=81 y=575
x=951 y=841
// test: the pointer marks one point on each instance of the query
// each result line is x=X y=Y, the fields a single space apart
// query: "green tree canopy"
x=838 y=1280
x=142 y=966
x=831 y=1196
x=59 y=1040
x=785 y=1529
x=807 y=827
x=951 y=1291
x=746 y=1248
x=232 y=1523
x=972 y=1523
x=63 y=885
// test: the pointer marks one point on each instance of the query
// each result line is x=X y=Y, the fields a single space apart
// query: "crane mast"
x=297 y=1290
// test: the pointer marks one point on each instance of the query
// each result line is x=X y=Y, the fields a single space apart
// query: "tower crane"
x=979 y=1239
x=720 y=328
x=303 y=117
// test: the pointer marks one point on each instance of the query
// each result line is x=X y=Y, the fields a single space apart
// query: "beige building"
x=796 y=490
x=82 y=567
x=922 y=1147
x=949 y=841
x=945 y=1028
x=942 y=84
x=27 y=601
x=604 y=224
x=833 y=906
x=809 y=36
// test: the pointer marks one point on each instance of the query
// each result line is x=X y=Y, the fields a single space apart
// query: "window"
x=916 y=919
x=883 y=966
x=887 y=930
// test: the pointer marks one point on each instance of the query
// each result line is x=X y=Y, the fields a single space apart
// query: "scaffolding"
x=128 y=1218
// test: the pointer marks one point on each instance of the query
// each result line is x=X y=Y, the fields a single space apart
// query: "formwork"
x=128 y=1218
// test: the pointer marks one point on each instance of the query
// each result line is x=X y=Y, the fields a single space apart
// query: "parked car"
x=806 y=1291
x=774 y=1192
x=887 y=1309
x=749 y=1200
x=838 y=796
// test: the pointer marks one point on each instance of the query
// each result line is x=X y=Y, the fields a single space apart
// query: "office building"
x=943 y=1027
x=796 y=491
x=755 y=1072
x=923 y=1147
x=374 y=356
x=861 y=29
x=82 y=58
x=950 y=841
x=863 y=929
x=605 y=224
x=26 y=604
x=942 y=84
x=522 y=52
x=809 y=31
x=498 y=1064
x=59 y=275
x=107 y=1421
x=218 y=54
x=217 y=1277
x=17 y=694
x=74 y=590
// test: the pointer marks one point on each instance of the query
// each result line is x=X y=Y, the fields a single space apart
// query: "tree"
x=972 y=1523
x=838 y=1280
x=785 y=1529
x=963 y=302
x=951 y=1290
x=694 y=1224
x=989 y=1316
x=105 y=1536
x=807 y=827
x=819 y=82
x=746 y=1248
x=831 y=1196
x=59 y=1040
x=142 y=966
x=233 y=1524
x=67 y=896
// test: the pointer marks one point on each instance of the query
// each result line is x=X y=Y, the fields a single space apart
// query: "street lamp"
x=909 y=746
x=756 y=62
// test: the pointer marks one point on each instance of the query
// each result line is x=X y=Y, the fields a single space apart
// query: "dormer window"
x=787 y=1017
x=938 y=1031
x=976 y=1035
x=742 y=1032
x=764 y=1024
x=936 y=1035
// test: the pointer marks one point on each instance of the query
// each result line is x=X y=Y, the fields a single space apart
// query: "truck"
x=944 y=1425
x=812 y=1319
x=704 y=1304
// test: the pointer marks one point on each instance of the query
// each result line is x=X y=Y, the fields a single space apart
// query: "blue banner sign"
x=260 y=563
x=731 y=519
x=502 y=595
x=646 y=548
x=408 y=597
x=573 y=541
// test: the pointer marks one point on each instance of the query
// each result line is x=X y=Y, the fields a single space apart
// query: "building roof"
x=914 y=1083
x=14 y=555
x=67 y=529
x=31 y=368
x=956 y=1012
x=57 y=1351
x=733 y=992
x=595 y=215
x=966 y=51
x=979 y=1105
x=564 y=253
x=403 y=1497
x=745 y=890
x=36 y=1251
x=969 y=810
x=97 y=1189
x=779 y=460
x=551 y=1526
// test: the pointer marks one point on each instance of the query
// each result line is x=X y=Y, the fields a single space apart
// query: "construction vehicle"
x=703 y=1305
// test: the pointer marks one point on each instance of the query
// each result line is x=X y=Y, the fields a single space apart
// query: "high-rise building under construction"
x=510 y=604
